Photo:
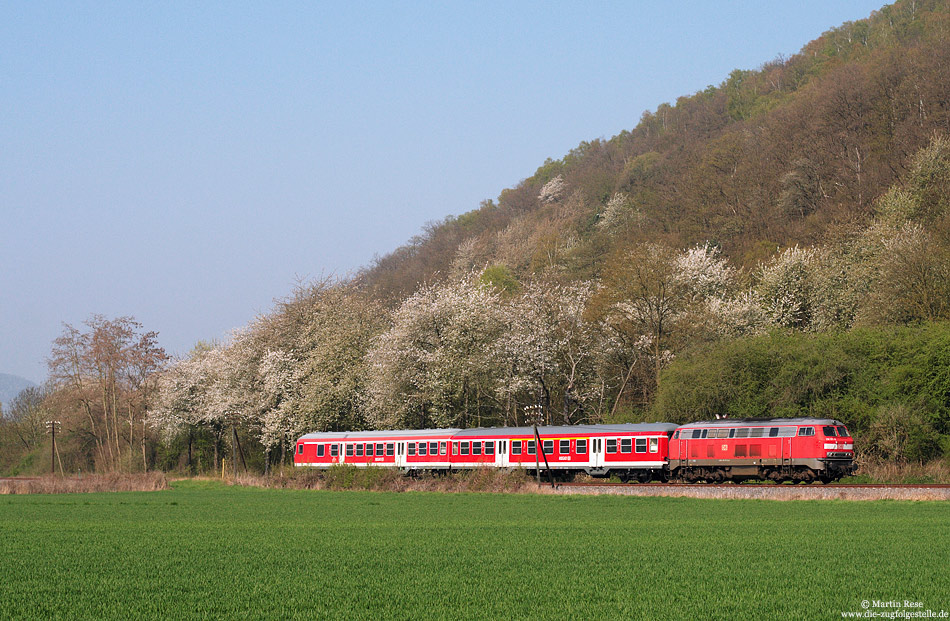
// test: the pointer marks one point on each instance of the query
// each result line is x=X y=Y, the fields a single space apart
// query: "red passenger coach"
x=780 y=449
x=630 y=451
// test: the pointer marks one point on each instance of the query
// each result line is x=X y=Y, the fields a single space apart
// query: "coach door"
x=400 y=457
x=596 y=452
x=501 y=453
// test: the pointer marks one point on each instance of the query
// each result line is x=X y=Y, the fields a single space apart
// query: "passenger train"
x=777 y=449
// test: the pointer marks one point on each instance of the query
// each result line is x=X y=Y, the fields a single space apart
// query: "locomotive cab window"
x=773 y=432
x=698 y=433
x=806 y=431
x=829 y=431
x=843 y=432
x=300 y=449
x=582 y=447
x=564 y=447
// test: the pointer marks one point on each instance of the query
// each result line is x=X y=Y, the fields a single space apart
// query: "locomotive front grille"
x=839 y=455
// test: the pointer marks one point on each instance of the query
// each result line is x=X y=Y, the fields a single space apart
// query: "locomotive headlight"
x=848 y=447
x=830 y=446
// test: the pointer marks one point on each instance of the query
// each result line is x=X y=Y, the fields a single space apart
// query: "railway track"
x=784 y=486
x=768 y=491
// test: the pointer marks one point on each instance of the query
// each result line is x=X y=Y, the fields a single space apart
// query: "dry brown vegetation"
x=378 y=479
x=884 y=471
x=150 y=482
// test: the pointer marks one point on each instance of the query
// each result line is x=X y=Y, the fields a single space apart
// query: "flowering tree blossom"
x=552 y=190
x=553 y=351
x=437 y=364
x=785 y=287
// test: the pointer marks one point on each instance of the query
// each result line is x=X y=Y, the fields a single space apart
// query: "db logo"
x=725 y=447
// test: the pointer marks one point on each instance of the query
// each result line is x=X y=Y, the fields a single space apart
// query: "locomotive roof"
x=496 y=431
x=752 y=422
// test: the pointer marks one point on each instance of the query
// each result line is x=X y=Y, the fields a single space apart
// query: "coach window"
x=564 y=447
x=433 y=448
x=654 y=445
x=422 y=448
x=641 y=445
x=379 y=449
x=611 y=445
x=359 y=450
x=625 y=445
x=442 y=448
x=349 y=450
x=320 y=450
x=369 y=449
x=390 y=448
x=531 y=447
x=412 y=449
x=582 y=447
x=476 y=448
x=548 y=447
x=516 y=447
x=829 y=431
x=456 y=450
x=489 y=448
x=464 y=448
x=806 y=431
x=334 y=450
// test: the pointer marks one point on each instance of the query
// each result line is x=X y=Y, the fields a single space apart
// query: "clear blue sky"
x=187 y=162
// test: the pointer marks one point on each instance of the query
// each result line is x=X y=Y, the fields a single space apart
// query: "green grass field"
x=205 y=550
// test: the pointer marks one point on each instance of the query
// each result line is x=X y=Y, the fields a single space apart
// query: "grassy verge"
x=208 y=550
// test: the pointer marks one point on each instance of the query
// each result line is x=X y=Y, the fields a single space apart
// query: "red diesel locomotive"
x=802 y=449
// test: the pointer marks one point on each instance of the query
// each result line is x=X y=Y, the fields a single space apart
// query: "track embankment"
x=763 y=492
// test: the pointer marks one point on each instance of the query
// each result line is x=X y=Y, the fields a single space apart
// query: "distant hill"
x=10 y=387
x=785 y=154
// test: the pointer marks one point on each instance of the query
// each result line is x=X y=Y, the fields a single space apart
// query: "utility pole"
x=51 y=426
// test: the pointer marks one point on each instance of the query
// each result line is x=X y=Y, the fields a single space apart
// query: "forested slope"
x=786 y=154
